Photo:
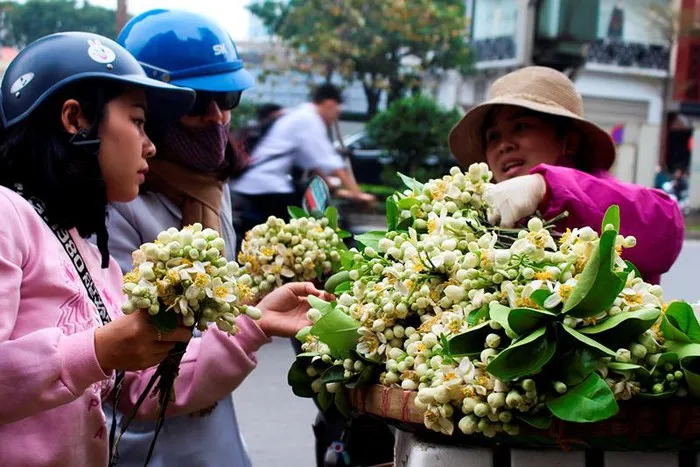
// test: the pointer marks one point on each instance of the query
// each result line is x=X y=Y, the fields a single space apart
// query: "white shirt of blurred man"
x=299 y=138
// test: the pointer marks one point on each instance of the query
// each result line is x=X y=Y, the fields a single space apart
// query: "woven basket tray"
x=641 y=425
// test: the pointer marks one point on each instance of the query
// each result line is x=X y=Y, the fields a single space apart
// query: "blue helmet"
x=52 y=62
x=186 y=49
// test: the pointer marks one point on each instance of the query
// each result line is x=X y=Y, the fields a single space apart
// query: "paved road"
x=275 y=423
x=683 y=280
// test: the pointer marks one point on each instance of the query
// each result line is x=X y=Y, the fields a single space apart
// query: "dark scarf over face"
x=202 y=149
x=190 y=168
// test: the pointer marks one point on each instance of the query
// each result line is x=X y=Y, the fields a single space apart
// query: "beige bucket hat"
x=540 y=89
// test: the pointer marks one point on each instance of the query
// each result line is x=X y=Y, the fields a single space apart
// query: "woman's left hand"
x=284 y=310
x=513 y=199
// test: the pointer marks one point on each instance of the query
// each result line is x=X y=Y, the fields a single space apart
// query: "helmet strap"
x=83 y=140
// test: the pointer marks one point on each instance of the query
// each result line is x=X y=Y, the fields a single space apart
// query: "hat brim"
x=466 y=138
x=238 y=80
x=164 y=100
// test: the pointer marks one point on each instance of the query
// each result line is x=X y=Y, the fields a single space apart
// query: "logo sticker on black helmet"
x=21 y=82
x=99 y=52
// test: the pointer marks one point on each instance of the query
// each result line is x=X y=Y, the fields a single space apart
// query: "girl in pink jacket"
x=73 y=111
x=546 y=157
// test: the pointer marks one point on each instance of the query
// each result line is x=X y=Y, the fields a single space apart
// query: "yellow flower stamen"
x=131 y=276
x=543 y=276
x=565 y=238
x=432 y=225
x=526 y=302
x=220 y=292
x=565 y=291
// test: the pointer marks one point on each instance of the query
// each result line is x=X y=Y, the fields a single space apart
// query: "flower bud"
x=638 y=350
x=493 y=341
x=468 y=425
x=560 y=387
x=481 y=410
x=514 y=400
x=496 y=400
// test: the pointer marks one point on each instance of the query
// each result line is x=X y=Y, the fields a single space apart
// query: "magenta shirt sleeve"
x=214 y=365
x=648 y=214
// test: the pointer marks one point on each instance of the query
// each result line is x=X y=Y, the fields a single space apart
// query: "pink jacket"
x=648 y=214
x=51 y=384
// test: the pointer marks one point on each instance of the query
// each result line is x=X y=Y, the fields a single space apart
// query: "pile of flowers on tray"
x=494 y=328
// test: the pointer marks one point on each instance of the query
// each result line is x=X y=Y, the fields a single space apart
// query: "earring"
x=82 y=140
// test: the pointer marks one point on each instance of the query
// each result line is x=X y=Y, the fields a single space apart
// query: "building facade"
x=623 y=82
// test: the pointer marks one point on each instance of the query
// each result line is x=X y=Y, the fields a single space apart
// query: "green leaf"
x=332 y=215
x=524 y=357
x=392 y=214
x=612 y=216
x=165 y=321
x=335 y=280
x=346 y=260
x=691 y=371
x=576 y=365
x=632 y=268
x=541 y=421
x=524 y=320
x=539 y=297
x=343 y=234
x=324 y=399
x=407 y=203
x=338 y=331
x=671 y=332
x=410 y=183
x=321 y=305
x=334 y=374
x=303 y=332
x=475 y=316
x=598 y=286
x=682 y=349
x=682 y=317
x=620 y=367
x=298 y=379
x=371 y=239
x=366 y=378
x=342 y=403
x=590 y=401
x=296 y=212
x=499 y=313
x=470 y=341
x=591 y=344
x=344 y=287
x=619 y=330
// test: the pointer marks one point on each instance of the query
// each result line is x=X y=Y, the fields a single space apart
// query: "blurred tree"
x=23 y=23
x=414 y=131
x=387 y=45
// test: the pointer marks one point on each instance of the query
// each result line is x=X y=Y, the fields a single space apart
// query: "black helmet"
x=54 y=61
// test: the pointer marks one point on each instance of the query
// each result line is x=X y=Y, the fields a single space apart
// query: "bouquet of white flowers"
x=277 y=252
x=494 y=328
x=182 y=278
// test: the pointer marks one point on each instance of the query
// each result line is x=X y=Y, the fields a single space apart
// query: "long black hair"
x=37 y=153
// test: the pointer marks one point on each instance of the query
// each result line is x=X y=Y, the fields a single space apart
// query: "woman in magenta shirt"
x=545 y=156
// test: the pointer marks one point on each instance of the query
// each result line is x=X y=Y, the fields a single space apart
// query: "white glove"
x=514 y=199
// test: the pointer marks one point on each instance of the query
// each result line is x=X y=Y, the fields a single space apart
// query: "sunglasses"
x=224 y=100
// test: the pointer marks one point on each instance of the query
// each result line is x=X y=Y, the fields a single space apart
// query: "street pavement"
x=277 y=425
x=682 y=282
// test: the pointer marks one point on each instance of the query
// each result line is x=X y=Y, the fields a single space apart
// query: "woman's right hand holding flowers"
x=132 y=342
